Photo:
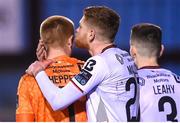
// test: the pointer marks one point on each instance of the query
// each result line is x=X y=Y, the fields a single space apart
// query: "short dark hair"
x=148 y=39
x=104 y=18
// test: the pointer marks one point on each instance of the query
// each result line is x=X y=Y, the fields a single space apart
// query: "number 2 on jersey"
x=131 y=101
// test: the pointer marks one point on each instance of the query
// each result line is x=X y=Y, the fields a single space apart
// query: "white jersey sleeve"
x=92 y=73
x=57 y=98
x=87 y=79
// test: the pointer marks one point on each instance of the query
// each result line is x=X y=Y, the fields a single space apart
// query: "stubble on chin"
x=78 y=44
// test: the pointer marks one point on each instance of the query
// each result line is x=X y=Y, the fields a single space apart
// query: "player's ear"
x=162 y=50
x=91 y=35
x=132 y=51
x=70 y=40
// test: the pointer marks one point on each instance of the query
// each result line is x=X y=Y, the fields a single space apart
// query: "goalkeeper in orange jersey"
x=56 y=33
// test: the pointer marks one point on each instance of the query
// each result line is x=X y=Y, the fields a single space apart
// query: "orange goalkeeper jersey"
x=32 y=106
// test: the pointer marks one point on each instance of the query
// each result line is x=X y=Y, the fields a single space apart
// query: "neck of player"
x=146 y=61
x=55 y=52
x=96 y=47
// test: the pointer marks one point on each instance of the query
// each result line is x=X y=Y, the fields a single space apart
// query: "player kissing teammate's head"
x=98 y=23
x=104 y=18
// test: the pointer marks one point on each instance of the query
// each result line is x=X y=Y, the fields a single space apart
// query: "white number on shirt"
x=90 y=64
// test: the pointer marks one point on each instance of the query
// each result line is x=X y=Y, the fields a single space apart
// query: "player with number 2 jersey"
x=109 y=78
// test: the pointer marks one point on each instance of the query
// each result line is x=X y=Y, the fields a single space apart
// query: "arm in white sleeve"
x=58 y=98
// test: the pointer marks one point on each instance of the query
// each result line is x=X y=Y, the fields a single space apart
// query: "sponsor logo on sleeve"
x=83 y=77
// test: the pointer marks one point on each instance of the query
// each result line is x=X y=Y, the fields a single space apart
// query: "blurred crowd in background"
x=19 y=34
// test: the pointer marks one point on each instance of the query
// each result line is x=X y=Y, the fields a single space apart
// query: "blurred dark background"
x=19 y=34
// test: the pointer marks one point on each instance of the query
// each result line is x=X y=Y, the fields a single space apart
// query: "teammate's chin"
x=79 y=44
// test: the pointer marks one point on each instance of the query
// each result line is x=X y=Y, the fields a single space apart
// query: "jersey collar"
x=149 y=67
x=110 y=46
x=61 y=58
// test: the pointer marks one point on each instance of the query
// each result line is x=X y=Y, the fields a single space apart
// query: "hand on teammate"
x=38 y=66
x=41 y=51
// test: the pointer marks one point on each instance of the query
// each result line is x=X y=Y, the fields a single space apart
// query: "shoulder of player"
x=27 y=77
x=155 y=73
x=143 y=74
x=27 y=80
x=175 y=76
x=171 y=72
x=72 y=60
x=78 y=61
x=143 y=71
x=97 y=60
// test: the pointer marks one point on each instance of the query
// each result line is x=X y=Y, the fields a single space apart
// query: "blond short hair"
x=56 y=29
